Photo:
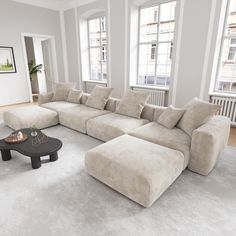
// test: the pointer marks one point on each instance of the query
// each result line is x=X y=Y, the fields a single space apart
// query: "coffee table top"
x=38 y=146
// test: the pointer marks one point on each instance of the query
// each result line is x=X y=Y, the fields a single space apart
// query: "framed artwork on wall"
x=7 y=60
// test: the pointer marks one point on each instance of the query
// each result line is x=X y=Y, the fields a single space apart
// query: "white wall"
x=194 y=57
x=17 y=18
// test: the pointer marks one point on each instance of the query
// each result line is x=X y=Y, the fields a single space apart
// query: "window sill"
x=222 y=94
x=95 y=81
x=151 y=87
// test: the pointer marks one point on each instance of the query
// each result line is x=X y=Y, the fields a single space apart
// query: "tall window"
x=98 y=48
x=226 y=80
x=156 y=34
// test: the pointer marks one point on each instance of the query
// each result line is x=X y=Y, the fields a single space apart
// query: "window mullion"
x=157 y=41
x=89 y=53
x=139 y=26
x=100 y=25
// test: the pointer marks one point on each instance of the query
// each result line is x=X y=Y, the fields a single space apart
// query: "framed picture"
x=7 y=60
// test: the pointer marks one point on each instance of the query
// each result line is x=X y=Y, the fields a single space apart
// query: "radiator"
x=228 y=107
x=90 y=85
x=157 y=97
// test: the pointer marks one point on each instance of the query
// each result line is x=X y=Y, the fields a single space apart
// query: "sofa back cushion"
x=197 y=113
x=61 y=91
x=98 y=97
x=170 y=117
x=149 y=112
x=84 y=98
x=74 y=96
x=132 y=103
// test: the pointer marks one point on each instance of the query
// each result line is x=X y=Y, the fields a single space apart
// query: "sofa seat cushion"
x=77 y=117
x=112 y=125
x=58 y=106
x=138 y=169
x=172 y=138
x=27 y=117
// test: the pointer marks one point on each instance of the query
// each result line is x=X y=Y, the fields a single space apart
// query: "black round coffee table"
x=33 y=147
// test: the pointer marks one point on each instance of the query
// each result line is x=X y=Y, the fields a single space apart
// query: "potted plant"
x=33 y=70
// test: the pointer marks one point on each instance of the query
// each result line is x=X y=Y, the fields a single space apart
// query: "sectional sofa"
x=141 y=158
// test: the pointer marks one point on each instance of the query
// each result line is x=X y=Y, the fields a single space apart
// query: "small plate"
x=13 y=139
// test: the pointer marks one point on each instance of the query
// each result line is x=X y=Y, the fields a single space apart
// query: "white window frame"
x=153 y=42
x=224 y=36
x=100 y=46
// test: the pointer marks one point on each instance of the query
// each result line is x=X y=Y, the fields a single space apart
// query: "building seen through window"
x=98 y=48
x=156 y=35
x=226 y=80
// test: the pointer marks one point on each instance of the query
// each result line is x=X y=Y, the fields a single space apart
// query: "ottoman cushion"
x=77 y=117
x=27 y=117
x=58 y=106
x=112 y=125
x=139 y=169
x=172 y=138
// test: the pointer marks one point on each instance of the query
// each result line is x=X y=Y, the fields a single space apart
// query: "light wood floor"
x=232 y=138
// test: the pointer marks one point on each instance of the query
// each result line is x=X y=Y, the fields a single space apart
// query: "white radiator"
x=228 y=107
x=90 y=85
x=157 y=97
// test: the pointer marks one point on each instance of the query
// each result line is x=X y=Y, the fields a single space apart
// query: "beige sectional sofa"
x=141 y=158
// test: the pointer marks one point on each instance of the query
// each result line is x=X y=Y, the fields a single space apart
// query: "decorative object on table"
x=7 y=60
x=16 y=137
x=48 y=146
x=39 y=139
x=34 y=132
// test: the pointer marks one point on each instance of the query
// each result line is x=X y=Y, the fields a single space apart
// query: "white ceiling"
x=56 y=4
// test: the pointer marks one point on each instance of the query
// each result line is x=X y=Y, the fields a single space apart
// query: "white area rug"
x=61 y=199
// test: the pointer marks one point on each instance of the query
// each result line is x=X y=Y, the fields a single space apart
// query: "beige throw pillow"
x=74 y=96
x=197 y=113
x=170 y=117
x=61 y=91
x=98 y=97
x=132 y=103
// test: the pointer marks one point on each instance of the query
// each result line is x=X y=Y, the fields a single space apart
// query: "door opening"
x=40 y=64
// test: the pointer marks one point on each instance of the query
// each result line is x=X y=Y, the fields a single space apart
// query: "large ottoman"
x=138 y=169
x=27 y=117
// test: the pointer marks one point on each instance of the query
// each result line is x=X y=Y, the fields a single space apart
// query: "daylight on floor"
x=118 y=118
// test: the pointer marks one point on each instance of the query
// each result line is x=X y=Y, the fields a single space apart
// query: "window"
x=156 y=34
x=226 y=79
x=98 y=48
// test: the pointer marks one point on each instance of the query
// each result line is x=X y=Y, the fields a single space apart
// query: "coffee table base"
x=6 y=155
x=35 y=161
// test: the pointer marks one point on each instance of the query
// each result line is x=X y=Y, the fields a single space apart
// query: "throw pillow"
x=61 y=91
x=170 y=117
x=98 y=97
x=197 y=113
x=74 y=96
x=132 y=103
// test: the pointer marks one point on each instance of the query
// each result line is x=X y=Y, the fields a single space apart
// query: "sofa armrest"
x=45 y=97
x=207 y=143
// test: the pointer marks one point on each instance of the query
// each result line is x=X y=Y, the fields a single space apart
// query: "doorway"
x=40 y=63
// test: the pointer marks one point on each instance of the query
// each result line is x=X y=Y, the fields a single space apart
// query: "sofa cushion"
x=57 y=106
x=27 y=117
x=170 y=117
x=77 y=117
x=112 y=125
x=98 y=97
x=132 y=103
x=74 y=96
x=61 y=91
x=197 y=113
x=172 y=138
x=138 y=169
